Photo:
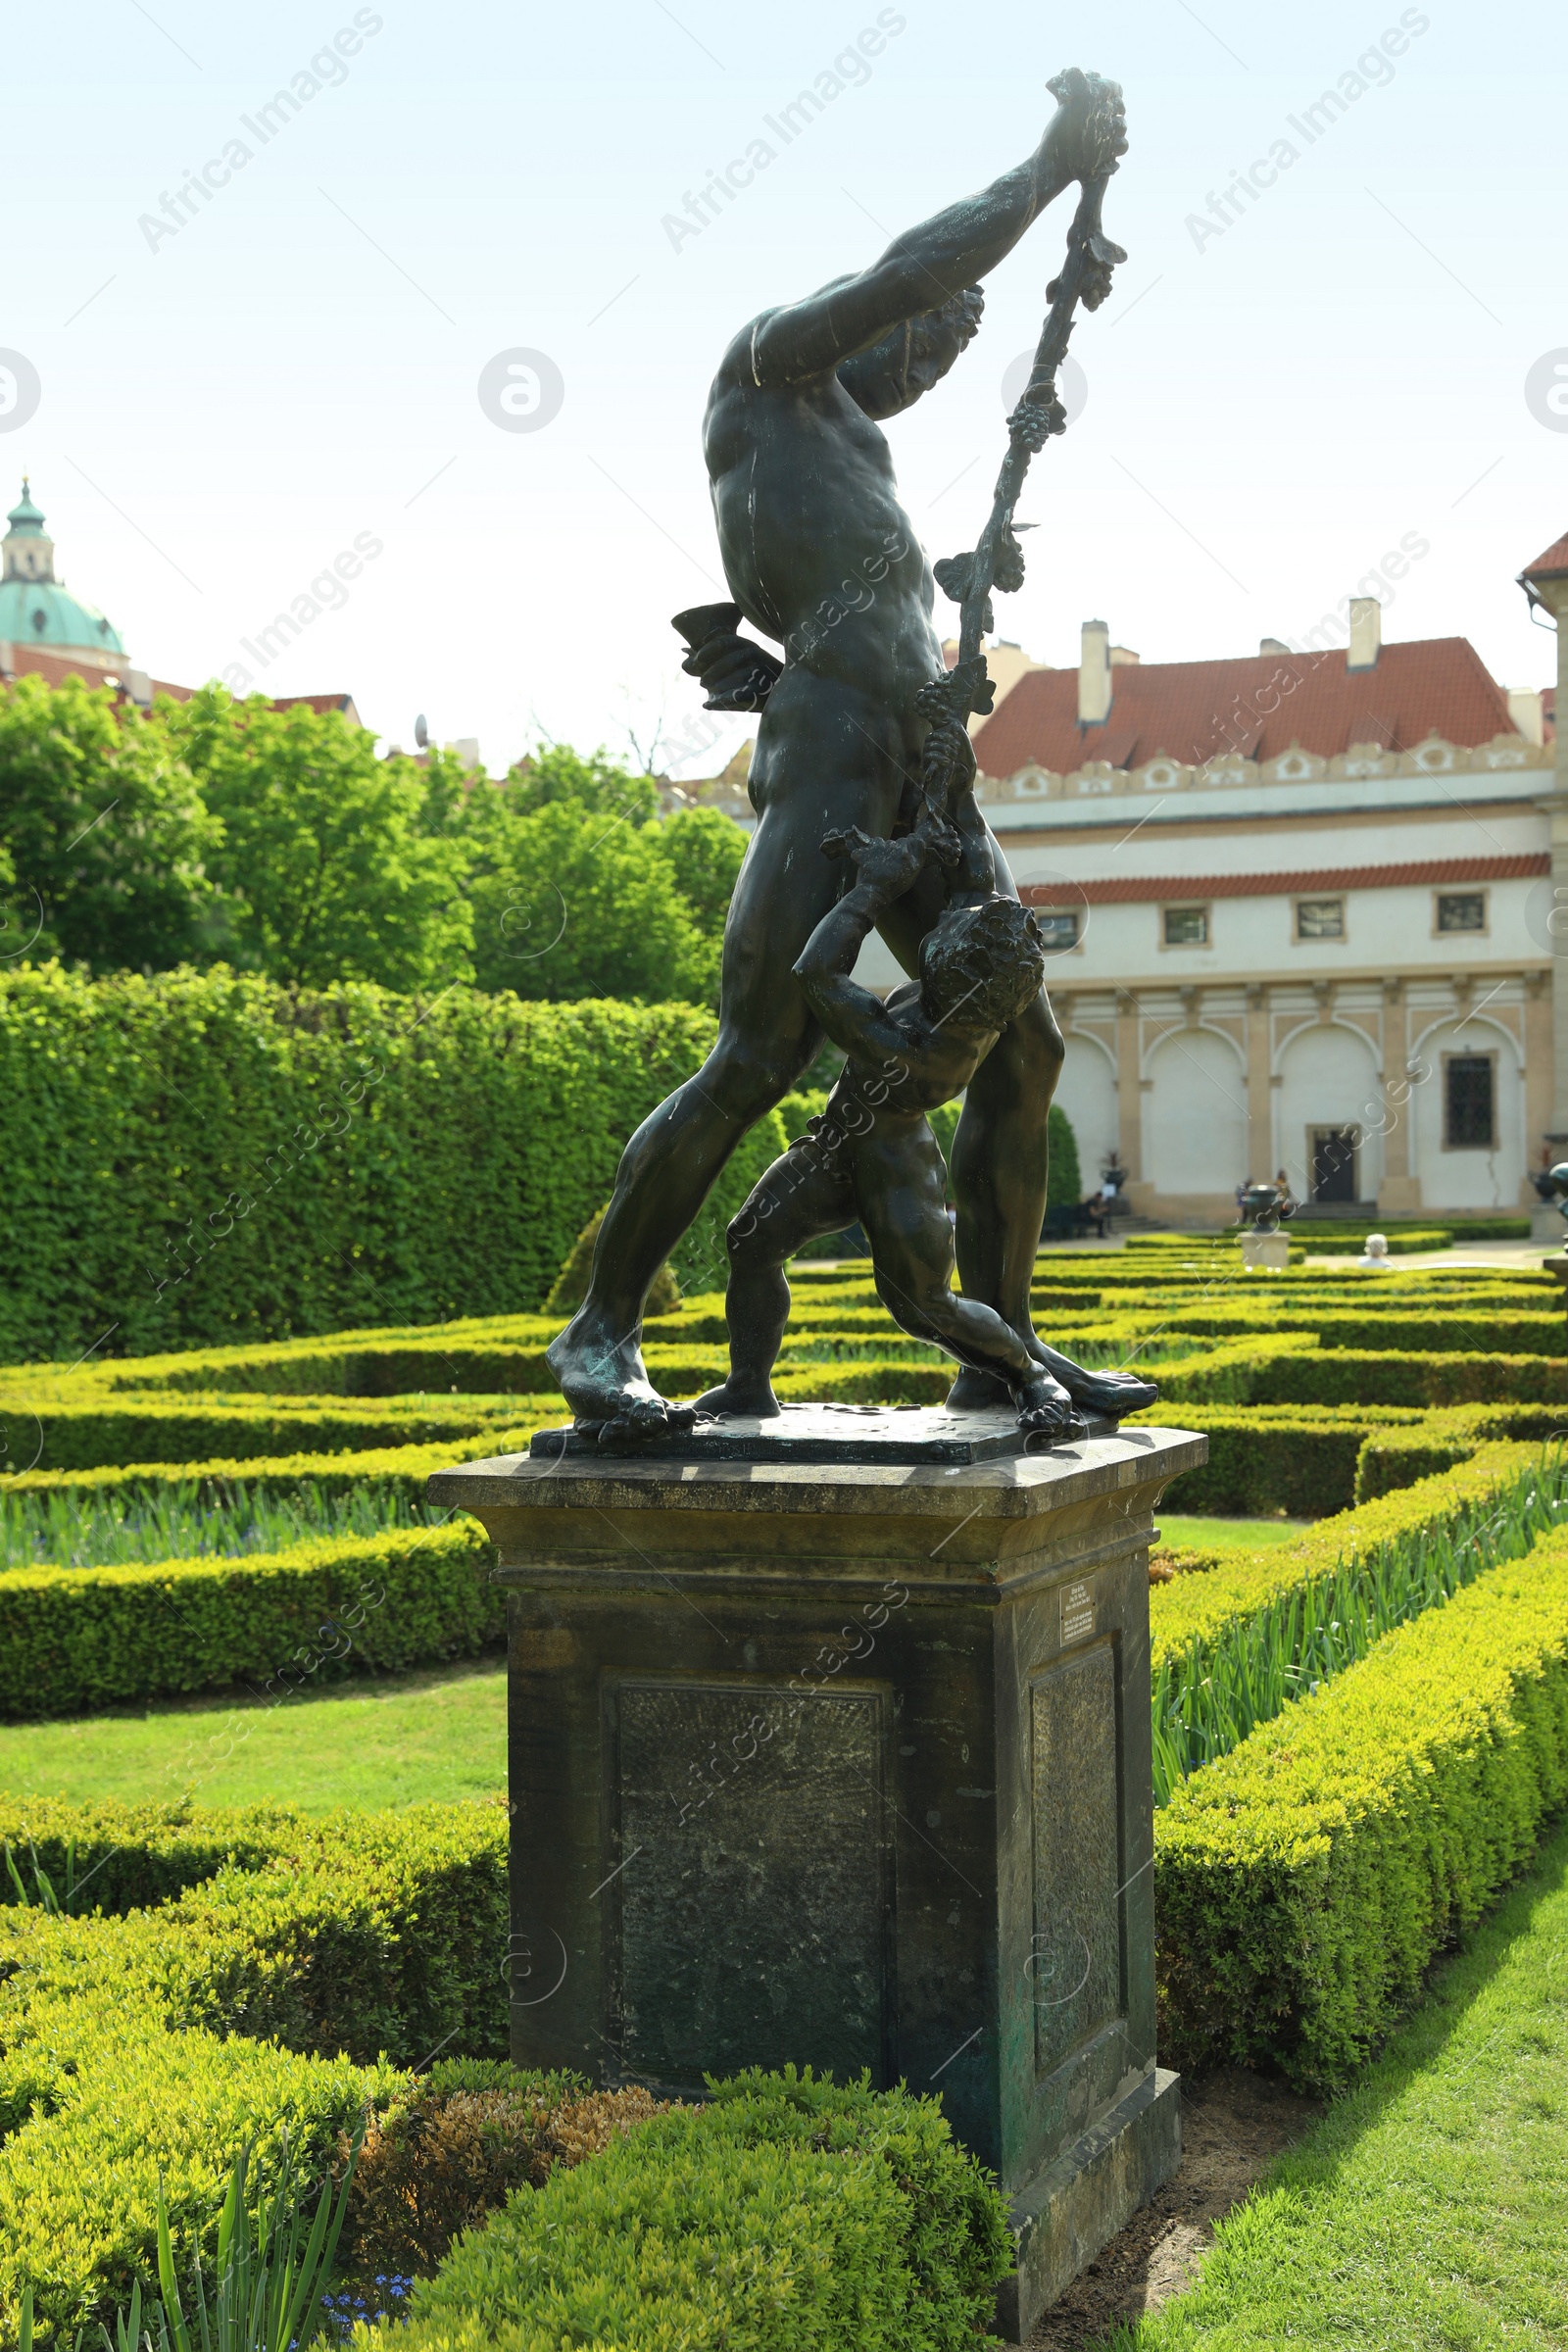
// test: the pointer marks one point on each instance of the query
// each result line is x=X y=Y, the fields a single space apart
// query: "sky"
x=457 y=307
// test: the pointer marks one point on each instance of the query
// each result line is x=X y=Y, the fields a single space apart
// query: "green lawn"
x=1428 y=2209
x=398 y=1740
x=1226 y=1535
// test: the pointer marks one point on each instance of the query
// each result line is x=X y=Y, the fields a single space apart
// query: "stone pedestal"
x=847 y=1763
x=1266 y=1249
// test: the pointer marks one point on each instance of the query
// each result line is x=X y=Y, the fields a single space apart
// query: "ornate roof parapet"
x=1432 y=757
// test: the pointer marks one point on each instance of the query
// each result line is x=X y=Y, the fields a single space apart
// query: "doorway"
x=1334 y=1163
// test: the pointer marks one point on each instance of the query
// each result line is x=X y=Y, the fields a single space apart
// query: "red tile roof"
x=320 y=704
x=36 y=662
x=1553 y=560
x=1129 y=890
x=1257 y=707
x=29 y=661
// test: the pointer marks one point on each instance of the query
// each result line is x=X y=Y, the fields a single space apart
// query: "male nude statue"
x=820 y=555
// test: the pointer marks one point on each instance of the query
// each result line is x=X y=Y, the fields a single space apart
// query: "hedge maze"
x=1359 y=1736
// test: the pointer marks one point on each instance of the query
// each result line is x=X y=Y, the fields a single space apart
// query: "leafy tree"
x=106 y=850
x=331 y=852
x=576 y=889
x=703 y=851
x=570 y=905
x=556 y=772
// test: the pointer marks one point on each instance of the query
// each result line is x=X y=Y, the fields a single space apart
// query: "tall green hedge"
x=205 y=1157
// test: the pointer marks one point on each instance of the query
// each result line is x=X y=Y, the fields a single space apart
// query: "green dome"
x=36 y=609
x=42 y=612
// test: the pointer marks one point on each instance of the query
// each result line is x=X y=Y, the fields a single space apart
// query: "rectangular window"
x=1469 y=1104
x=1058 y=927
x=1461 y=911
x=1320 y=919
x=1186 y=926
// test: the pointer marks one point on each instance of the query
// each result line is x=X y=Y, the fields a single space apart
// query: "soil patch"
x=1234 y=2123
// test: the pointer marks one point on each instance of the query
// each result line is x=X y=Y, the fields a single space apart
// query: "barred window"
x=1186 y=926
x=1469 y=1102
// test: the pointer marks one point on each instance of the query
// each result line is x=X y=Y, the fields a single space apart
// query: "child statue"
x=872 y=1155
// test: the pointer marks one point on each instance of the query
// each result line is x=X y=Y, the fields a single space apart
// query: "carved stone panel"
x=1076 y=1964
x=753 y=1888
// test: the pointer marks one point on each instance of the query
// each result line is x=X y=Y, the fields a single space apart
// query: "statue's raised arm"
x=944 y=259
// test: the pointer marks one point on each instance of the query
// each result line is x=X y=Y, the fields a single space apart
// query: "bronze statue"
x=861 y=736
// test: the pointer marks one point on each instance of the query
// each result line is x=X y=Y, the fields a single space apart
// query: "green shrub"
x=1397 y=1457
x=1287 y=1460
x=1289 y=1368
x=399 y=1470
x=1427 y=1328
x=1335 y=1240
x=784 y=2213
x=1305 y=1881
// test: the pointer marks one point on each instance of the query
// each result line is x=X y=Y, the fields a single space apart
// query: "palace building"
x=1301 y=912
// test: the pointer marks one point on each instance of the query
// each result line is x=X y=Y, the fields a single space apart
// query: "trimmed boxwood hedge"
x=94 y=1431
x=74 y=1638
x=1398 y=1457
x=293 y=1970
x=1296 y=1461
x=1305 y=1882
x=263 y=1992
x=1194 y=1608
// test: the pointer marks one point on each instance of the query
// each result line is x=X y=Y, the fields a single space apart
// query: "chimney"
x=1524 y=709
x=1094 y=674
x=1366 y=633
x=1272 y=645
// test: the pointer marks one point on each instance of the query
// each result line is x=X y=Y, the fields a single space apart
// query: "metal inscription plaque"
x=1075 y=1965
x=752 y=1878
